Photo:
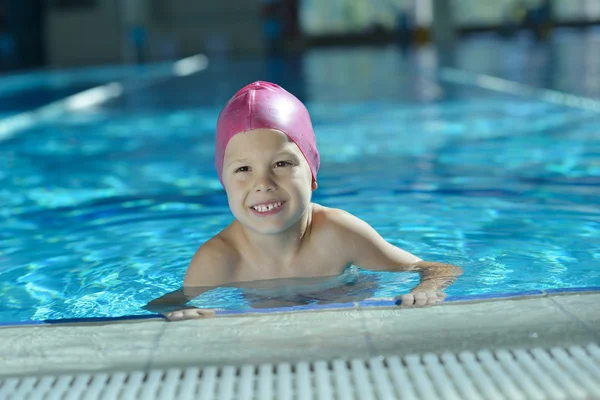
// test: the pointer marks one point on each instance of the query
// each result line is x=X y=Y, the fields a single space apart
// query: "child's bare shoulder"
x=332 y=225
x=213 y=263
x=332 y=218
x=360 y=242
x=343 y=228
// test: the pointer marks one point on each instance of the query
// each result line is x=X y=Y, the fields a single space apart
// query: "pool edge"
x=279 y=337
x=365 y=304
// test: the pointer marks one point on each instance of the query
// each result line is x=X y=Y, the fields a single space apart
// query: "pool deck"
x=537 y=321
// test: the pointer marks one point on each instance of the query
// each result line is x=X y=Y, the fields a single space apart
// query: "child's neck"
x=279 y=249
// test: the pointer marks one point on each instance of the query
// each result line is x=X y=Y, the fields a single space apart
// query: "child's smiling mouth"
x=267 y=208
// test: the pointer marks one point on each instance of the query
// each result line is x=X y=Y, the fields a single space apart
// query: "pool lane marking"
x=95 y=96
x=515 y=88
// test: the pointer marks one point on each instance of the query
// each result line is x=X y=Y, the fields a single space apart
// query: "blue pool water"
x=103 y=208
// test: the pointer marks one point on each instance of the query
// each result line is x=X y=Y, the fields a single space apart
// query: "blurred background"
x=65 y=33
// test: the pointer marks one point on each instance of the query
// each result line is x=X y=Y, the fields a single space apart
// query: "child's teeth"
x=267 y=207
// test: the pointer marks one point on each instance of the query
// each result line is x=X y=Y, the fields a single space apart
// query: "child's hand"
x=421 y=299
x=189 y=313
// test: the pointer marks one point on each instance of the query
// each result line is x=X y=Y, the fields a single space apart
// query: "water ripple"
x=98 y=224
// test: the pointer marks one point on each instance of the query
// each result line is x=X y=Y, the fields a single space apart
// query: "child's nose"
x=264 y=183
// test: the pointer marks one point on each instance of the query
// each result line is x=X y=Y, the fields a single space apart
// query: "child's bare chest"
x=322 y=254
x=310 y=262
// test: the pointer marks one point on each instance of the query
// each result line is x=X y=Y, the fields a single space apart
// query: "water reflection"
x=350 y=286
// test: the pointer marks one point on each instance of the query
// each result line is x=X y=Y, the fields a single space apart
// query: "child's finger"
x=432 y=298
x=175 y=315
x=420 y=299
x=407 y=300
x=205 y=313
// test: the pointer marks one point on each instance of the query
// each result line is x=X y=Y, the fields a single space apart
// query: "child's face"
x=267 y=180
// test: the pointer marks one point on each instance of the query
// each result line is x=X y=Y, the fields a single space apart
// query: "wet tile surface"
x=256 y=339
x=77 y=348
x=511 y=323
x=545 y=322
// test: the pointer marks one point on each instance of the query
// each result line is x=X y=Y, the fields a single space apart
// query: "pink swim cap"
x=266 y=105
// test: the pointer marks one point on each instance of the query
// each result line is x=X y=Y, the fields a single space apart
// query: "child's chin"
x=270 y=230
x=265 y=227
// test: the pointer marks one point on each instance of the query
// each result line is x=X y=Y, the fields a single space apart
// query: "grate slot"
x=546 y=382
x=303 y=382
x=59 y=389
x=265 y=382
x=284 y=383
x=360 y=376
x=383 y=386
x=459 y=377
x=594 y=351
x=587 y=362
x=418 y=374
x=480 y=378
x=579 y=374
x=42 y=387
x=208 y=383
x=78 y=386
x=563 y=379
x=226 y=383
x=442 y=381
x=171 y=381
x=25 y=387
x=245 y=390
x=323 y=381
x=99 y=381
x=133 y=385
x=401 y=380
x=8 y=387
x=115 y=385
x=187 y=388
x=342 y=380
x=150 y=387
x=537 y=374
x=505 y=383
x=520 y=377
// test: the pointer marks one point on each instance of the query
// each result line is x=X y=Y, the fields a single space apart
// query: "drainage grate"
x=559 y=373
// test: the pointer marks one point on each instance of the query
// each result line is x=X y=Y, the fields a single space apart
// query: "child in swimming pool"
x=267 y=161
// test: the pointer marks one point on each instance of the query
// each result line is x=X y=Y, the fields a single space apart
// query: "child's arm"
x=367 y=249
x=175 y=300
x=210 y=267
x=435 y=276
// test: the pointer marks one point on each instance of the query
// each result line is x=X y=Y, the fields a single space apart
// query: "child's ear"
x=314 y=184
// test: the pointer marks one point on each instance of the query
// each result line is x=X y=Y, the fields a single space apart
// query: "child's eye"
x=242 y=169
x=282 y=163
